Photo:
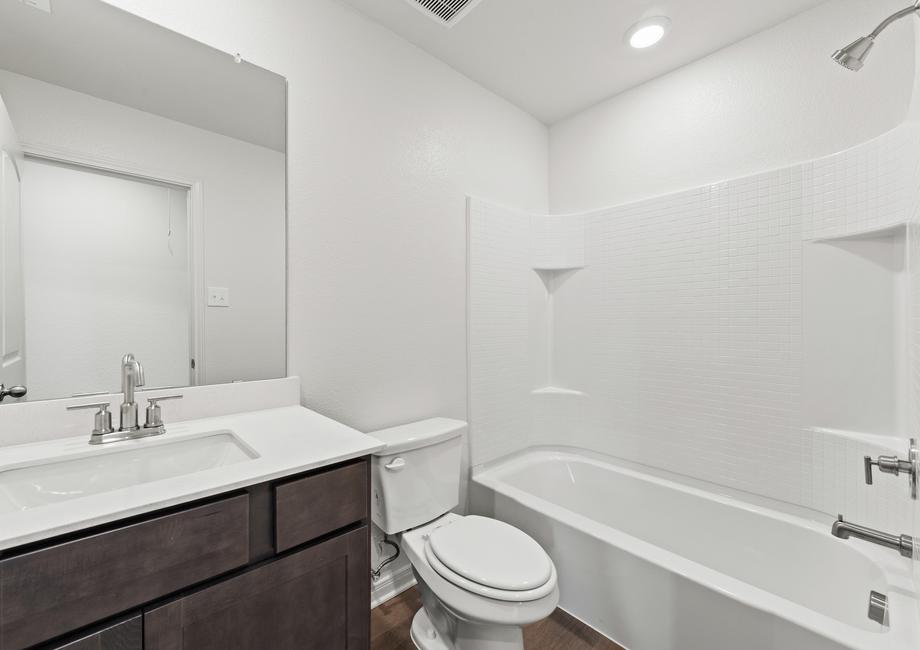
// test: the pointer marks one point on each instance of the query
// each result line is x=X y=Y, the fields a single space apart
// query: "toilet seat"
x=491 y=558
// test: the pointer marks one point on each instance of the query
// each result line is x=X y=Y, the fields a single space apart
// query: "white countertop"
x=287 y=440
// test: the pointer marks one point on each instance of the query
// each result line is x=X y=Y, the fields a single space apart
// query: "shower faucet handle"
x=886 y=464
x=896 y=466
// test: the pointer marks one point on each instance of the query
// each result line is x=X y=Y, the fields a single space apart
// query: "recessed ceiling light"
x=647 y=32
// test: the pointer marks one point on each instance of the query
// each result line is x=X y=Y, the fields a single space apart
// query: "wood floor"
x=390 y=623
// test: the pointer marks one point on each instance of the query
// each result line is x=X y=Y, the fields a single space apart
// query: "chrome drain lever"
x=878 y=607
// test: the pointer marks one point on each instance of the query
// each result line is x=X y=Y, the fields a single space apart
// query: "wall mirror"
x=142 y=204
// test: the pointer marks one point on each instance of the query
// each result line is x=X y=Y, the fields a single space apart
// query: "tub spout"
x=903 y=544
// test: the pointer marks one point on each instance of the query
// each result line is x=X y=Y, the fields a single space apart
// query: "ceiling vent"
x=446 y=12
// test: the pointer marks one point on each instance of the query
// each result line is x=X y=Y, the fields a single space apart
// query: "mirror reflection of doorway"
x=106 y=270
x=12 y=317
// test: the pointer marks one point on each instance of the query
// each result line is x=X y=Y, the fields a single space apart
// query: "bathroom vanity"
x=271 y=551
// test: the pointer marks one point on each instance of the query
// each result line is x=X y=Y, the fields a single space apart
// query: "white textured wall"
x=384 y=143
x=242 y=205
x=768 y=101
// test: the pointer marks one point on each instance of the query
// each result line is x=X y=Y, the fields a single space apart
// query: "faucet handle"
x=103 y=418
x=154 y=400
x=896 y=466
x=886 y=464
x=154 y=414
x=867 y=469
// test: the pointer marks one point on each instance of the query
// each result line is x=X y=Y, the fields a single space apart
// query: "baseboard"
x=392 y=586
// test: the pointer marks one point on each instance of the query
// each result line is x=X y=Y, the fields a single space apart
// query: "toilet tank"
x=416 y=478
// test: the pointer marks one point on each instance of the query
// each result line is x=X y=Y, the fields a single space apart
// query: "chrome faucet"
x=132 y=376
x=903 y=544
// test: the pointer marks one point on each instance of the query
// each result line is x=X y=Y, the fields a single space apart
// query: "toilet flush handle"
x=396 y=465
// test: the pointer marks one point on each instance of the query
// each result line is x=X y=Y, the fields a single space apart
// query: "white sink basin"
x=116 y=466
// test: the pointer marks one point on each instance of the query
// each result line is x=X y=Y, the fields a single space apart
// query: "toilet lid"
x=491 y=553
x=489 y=592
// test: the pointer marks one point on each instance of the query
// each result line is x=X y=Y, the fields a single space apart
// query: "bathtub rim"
x=902 y=604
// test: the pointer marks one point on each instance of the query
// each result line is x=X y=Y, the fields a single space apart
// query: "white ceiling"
x=554 y=58
x=96 y=49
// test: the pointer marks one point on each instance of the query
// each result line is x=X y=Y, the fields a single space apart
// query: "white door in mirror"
x=12 y=305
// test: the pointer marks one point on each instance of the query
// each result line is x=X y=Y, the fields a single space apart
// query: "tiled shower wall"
x=500 y=354
x=679 y=345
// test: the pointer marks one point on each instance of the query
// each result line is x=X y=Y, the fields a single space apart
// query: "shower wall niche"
x=557 y=254
x=856 y=373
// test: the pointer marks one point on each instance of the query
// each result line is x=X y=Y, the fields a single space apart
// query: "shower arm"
x=894 y=18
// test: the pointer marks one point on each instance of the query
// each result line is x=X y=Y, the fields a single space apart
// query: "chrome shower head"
x=853 y=56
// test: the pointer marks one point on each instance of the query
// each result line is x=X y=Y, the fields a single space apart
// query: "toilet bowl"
x=457 y=614
x=480 y=579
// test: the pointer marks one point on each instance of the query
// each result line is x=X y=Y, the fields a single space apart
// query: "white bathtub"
x=657 y=563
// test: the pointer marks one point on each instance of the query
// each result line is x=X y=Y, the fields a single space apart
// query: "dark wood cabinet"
x=283 y=564
x=318 y=598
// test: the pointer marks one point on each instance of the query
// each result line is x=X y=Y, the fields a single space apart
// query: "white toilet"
x=481 y=579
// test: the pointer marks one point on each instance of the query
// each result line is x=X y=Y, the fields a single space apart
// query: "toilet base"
x=423 y=634
x=469 y=636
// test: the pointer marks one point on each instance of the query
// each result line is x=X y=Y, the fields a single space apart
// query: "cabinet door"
x=126 y=635
x=315 y=598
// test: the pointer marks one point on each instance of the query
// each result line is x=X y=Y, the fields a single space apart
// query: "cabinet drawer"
x=51 y=591
x=309 y=507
